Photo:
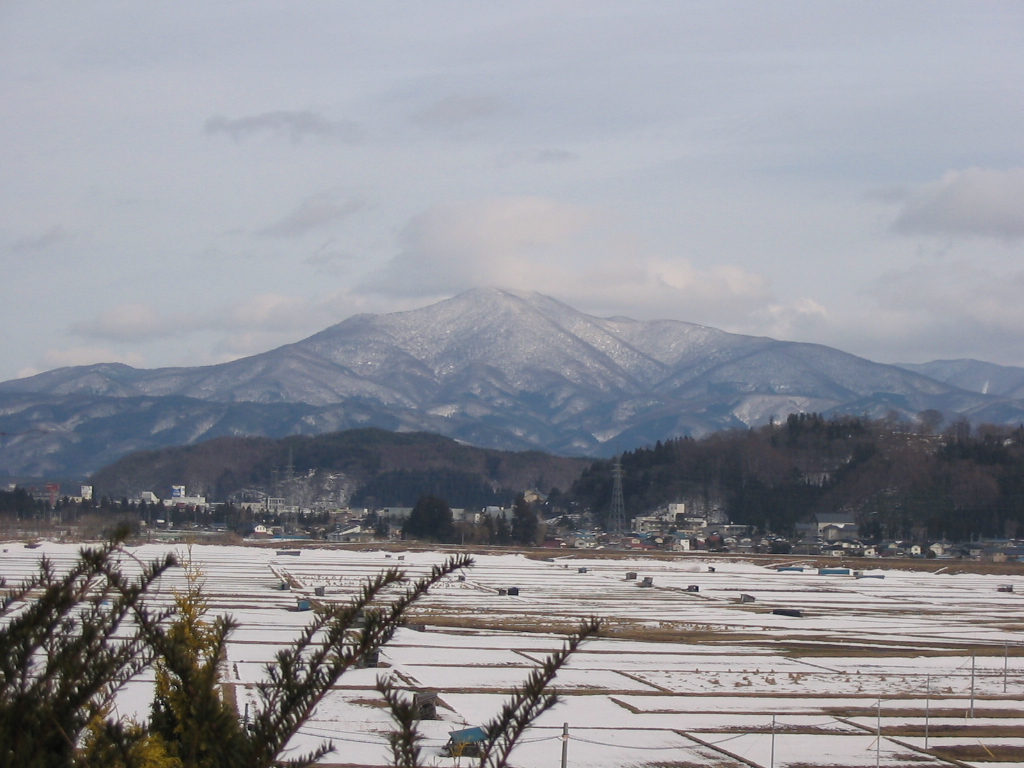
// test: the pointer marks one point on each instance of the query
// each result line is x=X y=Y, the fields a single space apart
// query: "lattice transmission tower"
x=617 y=513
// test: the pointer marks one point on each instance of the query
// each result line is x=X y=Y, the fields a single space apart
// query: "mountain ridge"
x=496 y=368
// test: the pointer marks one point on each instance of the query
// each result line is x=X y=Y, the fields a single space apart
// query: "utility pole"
x=878 y=737
x=565 y=744
x=771 y=764
x=927 y=708
x=972 y=685
x=291 y=484
x=1006 y=661
x=617 y=513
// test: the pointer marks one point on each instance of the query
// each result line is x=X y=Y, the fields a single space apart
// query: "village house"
x=829 y=526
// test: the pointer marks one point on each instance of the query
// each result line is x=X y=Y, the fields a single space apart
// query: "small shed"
x=465 y=743
x=582 y=569
x=711 y=569
x=302 y=604
x=462 y=577
x=746 y=598
x=1006 y=587
x=648 y=581
x=319 y=591
x=284 y=586
x=502 y=591
x=369 y=660
x=693 y=588
x=425 y=704
x=630 y=575
x=513 y=591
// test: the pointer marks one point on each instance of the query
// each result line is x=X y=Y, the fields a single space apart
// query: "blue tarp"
x=468 y=735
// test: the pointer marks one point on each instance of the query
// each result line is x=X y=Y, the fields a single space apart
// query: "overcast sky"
x=187 y=183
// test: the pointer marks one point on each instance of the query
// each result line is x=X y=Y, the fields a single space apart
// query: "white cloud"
x=277 y=317
x=463 y=245
x=960 y=291
x=576 y=254
x=976 y=201
x=295 y=125
x=273 y=312
x=133 y=322
x=786 y=321
x=937 y=309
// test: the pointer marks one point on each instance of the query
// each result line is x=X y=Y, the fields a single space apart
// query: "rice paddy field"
x=694 y=670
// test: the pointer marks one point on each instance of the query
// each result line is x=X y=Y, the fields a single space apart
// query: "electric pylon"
x=617 y=513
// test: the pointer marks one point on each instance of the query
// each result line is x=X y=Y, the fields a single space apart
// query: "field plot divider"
x=721 y=750
x=905 y=745
x=637 y=679
x=799 y=660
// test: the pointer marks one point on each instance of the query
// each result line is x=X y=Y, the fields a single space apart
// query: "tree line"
x=385 y=465
x=432 y=520
x=897 y=479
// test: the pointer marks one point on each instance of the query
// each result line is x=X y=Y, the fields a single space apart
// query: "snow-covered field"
x=680 y=678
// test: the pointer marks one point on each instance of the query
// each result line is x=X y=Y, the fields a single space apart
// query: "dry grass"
x=980 y=731
x=620 y=629
x=888 y=648
x=696 y=634
x=920 y=712
x=377 y=703
x=979 y=753
x=229 y=695
x=491 y=622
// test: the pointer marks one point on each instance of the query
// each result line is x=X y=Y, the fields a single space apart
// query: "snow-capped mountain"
x=490 y=367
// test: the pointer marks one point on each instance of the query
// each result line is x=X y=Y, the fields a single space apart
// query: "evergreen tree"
x=201 y=727
x=188 y=707
x=502 y=532
x=66 y=645
x=431 y=519
x=524 y=522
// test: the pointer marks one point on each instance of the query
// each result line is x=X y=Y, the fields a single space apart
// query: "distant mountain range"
x=490 y=368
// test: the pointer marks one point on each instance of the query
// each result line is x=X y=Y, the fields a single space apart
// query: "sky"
x=189 y=183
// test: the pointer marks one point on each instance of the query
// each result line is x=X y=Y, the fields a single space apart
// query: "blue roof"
x=468 y=735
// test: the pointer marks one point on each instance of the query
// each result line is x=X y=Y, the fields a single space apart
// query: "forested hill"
x=897 y=480
x=364 y=466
